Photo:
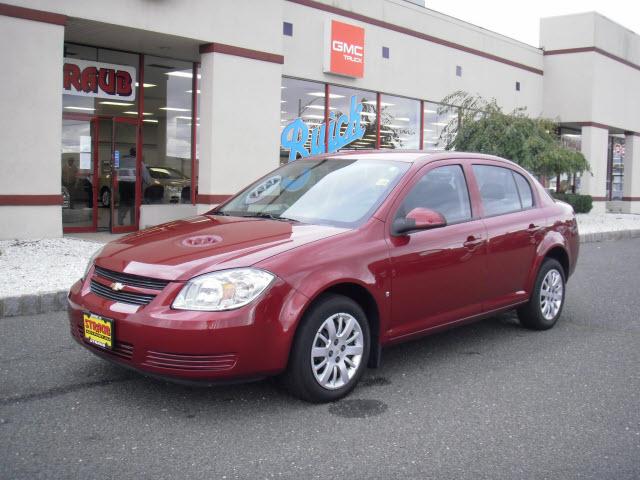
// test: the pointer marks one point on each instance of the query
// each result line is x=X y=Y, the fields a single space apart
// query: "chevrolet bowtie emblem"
x=116 y=286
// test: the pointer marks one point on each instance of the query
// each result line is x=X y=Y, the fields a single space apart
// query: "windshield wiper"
x=271 y=216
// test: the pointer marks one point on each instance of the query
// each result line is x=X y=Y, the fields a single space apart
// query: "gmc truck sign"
x=101 y=80
x=344 y=49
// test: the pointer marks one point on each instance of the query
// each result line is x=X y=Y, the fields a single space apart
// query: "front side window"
x=442 y=189
x=498 y=190
x=339 y=192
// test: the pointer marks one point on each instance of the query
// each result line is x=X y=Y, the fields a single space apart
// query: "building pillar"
x=31 y=123
x=595 y=145
x=631 y=180
x=239 y=120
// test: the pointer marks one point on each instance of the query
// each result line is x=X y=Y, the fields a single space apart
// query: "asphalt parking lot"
x=489 y=400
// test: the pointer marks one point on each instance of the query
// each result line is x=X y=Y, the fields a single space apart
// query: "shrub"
x=580 y=203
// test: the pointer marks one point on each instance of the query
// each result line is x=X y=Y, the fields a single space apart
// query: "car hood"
x=182 y=249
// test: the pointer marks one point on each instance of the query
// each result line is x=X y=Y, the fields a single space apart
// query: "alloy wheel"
x=336 y=352
x=551 y=294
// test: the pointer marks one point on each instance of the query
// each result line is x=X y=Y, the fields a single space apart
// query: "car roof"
x=411 y=156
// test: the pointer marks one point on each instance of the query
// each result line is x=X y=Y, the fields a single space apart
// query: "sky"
x=521 y=19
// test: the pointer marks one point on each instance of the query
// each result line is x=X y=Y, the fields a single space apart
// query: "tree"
x=481 y=126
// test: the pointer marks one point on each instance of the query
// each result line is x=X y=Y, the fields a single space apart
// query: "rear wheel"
x=330 y=351
x=547 y=299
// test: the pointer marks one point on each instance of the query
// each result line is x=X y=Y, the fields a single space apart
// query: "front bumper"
x=248 y=342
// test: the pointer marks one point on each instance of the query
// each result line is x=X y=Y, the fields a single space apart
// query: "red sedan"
x=311 y=270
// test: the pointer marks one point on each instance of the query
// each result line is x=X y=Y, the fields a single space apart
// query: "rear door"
x=438 y=275
x=515 y=227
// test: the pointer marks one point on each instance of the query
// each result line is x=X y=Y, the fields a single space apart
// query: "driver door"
x=438 y=275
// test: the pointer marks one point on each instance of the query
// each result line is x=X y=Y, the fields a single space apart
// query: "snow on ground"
x=39 y=266
x=607 y=222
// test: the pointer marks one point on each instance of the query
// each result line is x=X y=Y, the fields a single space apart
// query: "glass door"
x=78 y=173
x=125 y=181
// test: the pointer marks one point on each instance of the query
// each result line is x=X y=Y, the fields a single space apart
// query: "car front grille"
x=120 y=349
x=200 y=363
x=131 y=280
x=134 y=298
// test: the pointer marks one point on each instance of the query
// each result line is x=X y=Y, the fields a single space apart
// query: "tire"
x=309 y=378
x=540 y=313
x=105 y=197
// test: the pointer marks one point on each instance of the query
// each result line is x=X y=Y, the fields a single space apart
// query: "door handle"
x=472 y=242
x=533 y=228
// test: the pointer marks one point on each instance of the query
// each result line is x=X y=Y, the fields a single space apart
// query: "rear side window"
x=443 y=189
x=498 y=190
x=524 y=189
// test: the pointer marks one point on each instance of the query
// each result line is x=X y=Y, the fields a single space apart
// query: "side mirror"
x=418 y=219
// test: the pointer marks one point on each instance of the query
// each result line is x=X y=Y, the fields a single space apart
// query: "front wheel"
x=330 y=351
x=547 y=299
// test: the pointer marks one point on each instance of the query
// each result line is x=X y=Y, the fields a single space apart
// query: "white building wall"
x=31 y=125
x=569 y=87
x=417 y=68
x=590 y=86
x=239 y=122
x=243 y=23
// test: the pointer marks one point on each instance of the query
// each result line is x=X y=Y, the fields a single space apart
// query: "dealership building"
x=124 y=115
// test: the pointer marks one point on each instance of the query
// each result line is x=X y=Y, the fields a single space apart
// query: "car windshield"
x=165 y=173
x=340 y=192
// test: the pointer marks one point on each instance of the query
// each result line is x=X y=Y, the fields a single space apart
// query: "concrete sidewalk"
x=37 y=274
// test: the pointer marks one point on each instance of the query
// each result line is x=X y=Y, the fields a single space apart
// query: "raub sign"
x=100 y=80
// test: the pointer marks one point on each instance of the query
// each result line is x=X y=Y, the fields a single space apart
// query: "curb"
x=57 y=301
x=33 y=304
x=613 y=235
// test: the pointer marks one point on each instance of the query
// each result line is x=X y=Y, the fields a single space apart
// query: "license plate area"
x=98 y=330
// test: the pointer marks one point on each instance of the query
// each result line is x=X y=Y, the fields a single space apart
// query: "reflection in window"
x=400 y=127
x=444 y=190
x=340 y=101
x=497 y=189
x=434 y=124
x=167 y=130
x=301 y=99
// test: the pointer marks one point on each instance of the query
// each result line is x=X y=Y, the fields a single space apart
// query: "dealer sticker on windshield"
x=98 y=331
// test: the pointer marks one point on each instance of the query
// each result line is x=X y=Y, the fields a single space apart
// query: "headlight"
x=90 y=262
x=223 y=290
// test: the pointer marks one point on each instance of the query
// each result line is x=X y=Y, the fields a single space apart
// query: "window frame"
x=415 y=179
x=481 y=206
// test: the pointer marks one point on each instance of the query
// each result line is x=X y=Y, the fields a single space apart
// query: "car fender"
x=551 y=239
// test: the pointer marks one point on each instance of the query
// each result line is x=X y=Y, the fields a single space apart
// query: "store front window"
x=615 y=168
x=305 y=100
x=166 y=163
x=340 y=104
x=400 y=122
x=99 y=87
x=434 y=124
x=124 y=144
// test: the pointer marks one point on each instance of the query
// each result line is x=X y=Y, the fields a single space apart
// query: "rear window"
x=524 y=189
x=498 y=190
